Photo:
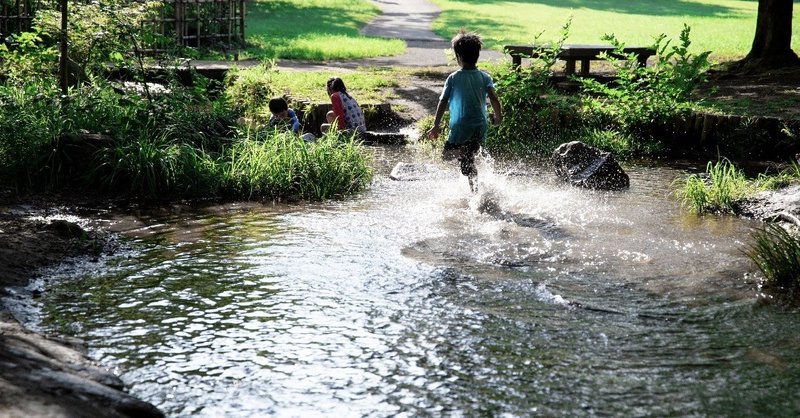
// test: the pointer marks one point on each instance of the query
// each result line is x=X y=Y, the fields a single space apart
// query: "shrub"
x=776 y=252
x=533 y=114
x=716 y=192
x=643 y=100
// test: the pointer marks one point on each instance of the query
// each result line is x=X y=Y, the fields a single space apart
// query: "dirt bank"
x=44 y=376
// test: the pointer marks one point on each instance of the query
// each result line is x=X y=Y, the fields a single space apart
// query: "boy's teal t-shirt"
x=466 y=91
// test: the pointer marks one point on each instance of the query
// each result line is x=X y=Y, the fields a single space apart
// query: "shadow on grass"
x=283 y=29
x=642 y=7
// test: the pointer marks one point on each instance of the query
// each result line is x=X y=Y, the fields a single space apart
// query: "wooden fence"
x=16 y=16
x=213 y=24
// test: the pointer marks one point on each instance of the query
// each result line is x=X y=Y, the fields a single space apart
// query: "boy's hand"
x=434 y=132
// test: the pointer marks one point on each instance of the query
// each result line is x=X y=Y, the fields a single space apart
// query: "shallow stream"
x=420 y=299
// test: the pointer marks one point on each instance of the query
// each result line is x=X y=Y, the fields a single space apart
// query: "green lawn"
x=368 y=85
x=314 y=30
x=725 y=27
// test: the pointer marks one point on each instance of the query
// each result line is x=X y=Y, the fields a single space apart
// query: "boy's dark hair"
x=336 y=84
x=278 y=104
x=467 y=45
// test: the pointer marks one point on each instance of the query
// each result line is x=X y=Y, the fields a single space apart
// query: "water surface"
x=420 y=299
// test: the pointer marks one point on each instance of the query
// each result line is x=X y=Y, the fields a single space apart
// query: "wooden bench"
x=573 y=53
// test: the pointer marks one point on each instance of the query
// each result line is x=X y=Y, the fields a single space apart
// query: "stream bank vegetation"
x=149 y=136
x=776 y=252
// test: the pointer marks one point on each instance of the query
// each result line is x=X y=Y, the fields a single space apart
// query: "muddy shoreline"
x=45 y=375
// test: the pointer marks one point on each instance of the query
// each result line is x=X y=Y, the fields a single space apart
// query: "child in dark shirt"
x=283 y=116
x=464 y=94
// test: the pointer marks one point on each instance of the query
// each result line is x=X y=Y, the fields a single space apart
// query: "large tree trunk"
x=772 y=44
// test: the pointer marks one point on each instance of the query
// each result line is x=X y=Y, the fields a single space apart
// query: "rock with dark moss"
x=584 y=166
x=53 y=377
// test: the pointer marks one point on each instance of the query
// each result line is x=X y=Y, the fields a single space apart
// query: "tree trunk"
x=772 y=44
x=62 y=59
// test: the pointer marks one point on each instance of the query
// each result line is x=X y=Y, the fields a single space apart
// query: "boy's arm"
x=437 y=121
x=498 y=110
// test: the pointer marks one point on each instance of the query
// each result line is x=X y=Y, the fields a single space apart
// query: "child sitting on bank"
x=464 y=94
x=283 y=116
x=346 y=116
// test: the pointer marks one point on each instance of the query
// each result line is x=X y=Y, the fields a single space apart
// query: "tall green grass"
x=776 y=252
x=281 y=165
x=725 y=27
x=717 y=191
x=314 y=30
x=157 y=167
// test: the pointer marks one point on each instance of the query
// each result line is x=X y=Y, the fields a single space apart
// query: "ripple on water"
x=420 y=299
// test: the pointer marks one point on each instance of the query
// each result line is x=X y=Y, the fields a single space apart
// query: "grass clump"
x=280 y=164
x=717 y=190
x=722 y=186
x=776 y=252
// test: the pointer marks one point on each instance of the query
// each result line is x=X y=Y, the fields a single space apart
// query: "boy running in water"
x=464 y=93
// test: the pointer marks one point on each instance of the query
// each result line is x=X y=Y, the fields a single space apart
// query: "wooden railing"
x=16 y=16
x=213 y=24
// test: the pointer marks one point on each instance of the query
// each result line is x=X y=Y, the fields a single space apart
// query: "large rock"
x=585 y=166
x=44 y=377
x=782 y=205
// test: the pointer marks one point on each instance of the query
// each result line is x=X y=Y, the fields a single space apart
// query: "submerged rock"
x=413 y=172
x=585 y=166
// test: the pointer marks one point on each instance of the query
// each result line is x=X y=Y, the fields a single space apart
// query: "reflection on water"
x=418 y=299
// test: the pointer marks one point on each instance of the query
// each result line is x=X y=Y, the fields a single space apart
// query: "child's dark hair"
x=467 y=45
x=336 y=84
x=278 y=104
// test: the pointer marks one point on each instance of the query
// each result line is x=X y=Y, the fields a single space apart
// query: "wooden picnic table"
x=573 y=53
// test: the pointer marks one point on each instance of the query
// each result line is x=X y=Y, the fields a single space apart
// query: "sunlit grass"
x=725 y=27
x=368 y=85
x=279 y=164
x=716 y=191
x=313 y=30
x=776 y=252
x=251 y=88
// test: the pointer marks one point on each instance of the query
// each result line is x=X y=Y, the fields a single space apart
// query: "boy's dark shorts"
x=465 y=154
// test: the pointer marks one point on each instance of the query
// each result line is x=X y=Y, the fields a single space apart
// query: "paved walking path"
x=411 y=21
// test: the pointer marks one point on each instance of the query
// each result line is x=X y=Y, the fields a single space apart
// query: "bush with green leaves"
x=644 y=100
x=534 y=115
x=627 y=116
x=99 y=33
x=776 y=252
